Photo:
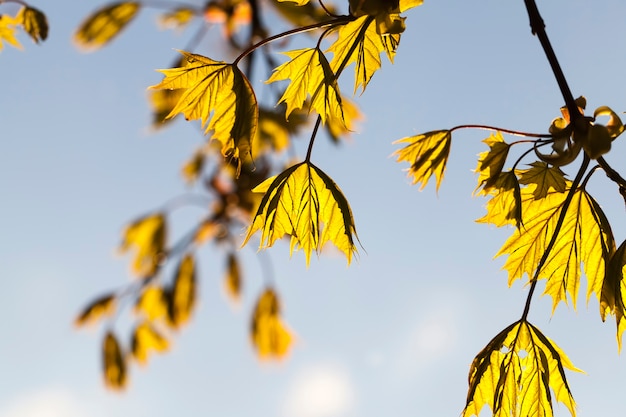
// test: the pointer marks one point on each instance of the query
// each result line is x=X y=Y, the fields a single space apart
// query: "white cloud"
x=47 y=402
x=320 y=391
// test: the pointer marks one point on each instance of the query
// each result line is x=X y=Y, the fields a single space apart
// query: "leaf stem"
x=318 y=122
x=538 y=28
x=611 y=173
x=499 y=129
x=337 y=21
x=555 y=233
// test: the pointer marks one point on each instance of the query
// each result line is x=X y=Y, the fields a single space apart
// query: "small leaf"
x=183 y=294
x=113 y=363
x=218 y=94
x=98 y=308
x=304 y=203
x=311 y=76
x=148 y=235
x=152 y=303
x=7 y=31
x=490 y=163
x=34 y=22
x=269 y=335
x=545 y=177
x=177 y=19
x=613 y=295
x=505 y=205
x=232 y=278
x=428 y=154
x=515 y=372
x=147 y=338
x=162 y=103
x=105 y=24
x=338 y=128
x=192 y=169
x=297 y=2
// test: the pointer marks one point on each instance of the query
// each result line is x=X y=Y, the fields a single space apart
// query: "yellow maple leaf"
x=147 y=338
x=613 y=295
x=585 y=237
x=545 y=178
x=7 y=31
x=148 y=235
x=490 y=163
x=514 y=373
x=34 y=23
x=358 y=42
x=268 y=333
x=182 y=298
x=304 y=203
x=505 y=205
x=113 y=363
x=105 y=24
x=311 y=76
x=427 y=153
x=102 y=306
x=218 y=94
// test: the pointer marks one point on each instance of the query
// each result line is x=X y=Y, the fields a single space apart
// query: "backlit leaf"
x=183 y=294
x=101 y=306
x=311 y=76
x=409 y=4
x=163 y=102
x=297 y=2
x=105 y=24
x=304 y=203
x=232 y=279
x=545 y=177
x=338 y=128
x=612 y=298
x=490 y=163
x=152 y=303
x=505 y=205
x=34 y=22
x=177 y=19
x=218 y=94
x=585 y=237
x=7 y=31
x=515 y=372
x=113 y=363
x=366 y=55
x=147 y=338
x=192 y=169
x=148 y=236
x=269 y=335
x=428 y=154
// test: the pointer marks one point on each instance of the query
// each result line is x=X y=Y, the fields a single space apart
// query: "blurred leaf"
x=297 y=2
x=152 y=303
x=546 y=177
x=338 y=128
x=34 y=22
x=206 y=231
x=218 y=92
x=7 y=31
x=269 y=335
x=232 y=279
x=428 y=154
x=113 y=363
x=192 y=169
x=514 y=373
x=101 y=306
x=104 y=25
x=147 y=338
x=183 y=294
x=306 y=204
x=177 y=19
x=148 y=236
x=163 y=102
x=301 y=15
x=490 y=163
x=311 y=76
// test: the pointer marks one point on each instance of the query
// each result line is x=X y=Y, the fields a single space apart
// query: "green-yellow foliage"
x=428 y=154
x=182 y=298
x=218 y=94
x=613 y=296
x=515 y=372
x=8 y=25
x=105 y=24
x=148 y=236
x=97 y=309
x=113 y=363
x=304 y=203
x=311 y=76
x=146 y=338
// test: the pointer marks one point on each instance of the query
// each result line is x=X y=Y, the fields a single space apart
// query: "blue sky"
x=395 y=332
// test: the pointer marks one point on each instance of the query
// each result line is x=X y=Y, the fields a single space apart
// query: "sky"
x=392 y=334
